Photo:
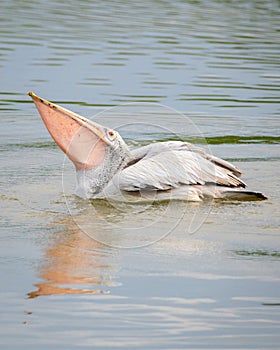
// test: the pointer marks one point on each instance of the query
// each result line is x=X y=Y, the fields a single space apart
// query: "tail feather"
x=243 y=195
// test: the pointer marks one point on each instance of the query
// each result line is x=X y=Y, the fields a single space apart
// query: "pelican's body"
x=106 y=167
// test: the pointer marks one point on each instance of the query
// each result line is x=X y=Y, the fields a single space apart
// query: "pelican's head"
x=97 y=152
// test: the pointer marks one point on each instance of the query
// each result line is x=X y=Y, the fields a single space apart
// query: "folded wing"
x=167 y=165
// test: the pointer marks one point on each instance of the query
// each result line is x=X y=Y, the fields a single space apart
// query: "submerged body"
x=106 y=167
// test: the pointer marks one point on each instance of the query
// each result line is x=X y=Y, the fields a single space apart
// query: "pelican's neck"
x=91 y=182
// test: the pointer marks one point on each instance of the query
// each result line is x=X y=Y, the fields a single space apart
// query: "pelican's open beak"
x=83 y=141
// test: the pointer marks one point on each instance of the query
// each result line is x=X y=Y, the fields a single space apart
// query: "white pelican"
x=105 y=165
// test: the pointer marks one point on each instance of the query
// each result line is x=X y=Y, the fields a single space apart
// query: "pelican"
x=105 y=166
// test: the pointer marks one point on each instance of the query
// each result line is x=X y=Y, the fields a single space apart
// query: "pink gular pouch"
x=80 y=139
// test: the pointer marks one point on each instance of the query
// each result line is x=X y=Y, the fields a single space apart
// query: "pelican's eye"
x=110 y=134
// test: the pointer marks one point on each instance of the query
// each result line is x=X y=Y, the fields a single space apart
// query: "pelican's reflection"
x=83 y=256
x=75 y=263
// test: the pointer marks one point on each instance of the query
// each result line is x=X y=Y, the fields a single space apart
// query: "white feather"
x=171 y=164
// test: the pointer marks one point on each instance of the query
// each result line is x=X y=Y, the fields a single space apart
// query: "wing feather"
x=166 y=165
x=160 y=147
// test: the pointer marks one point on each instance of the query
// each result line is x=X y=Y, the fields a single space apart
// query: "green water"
x=77 y=274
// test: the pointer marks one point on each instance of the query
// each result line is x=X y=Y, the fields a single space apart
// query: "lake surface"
x=172 y=275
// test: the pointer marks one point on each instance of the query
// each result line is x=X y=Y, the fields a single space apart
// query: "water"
x=217 y=62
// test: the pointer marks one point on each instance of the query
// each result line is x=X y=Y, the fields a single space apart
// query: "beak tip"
x=34 y=96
